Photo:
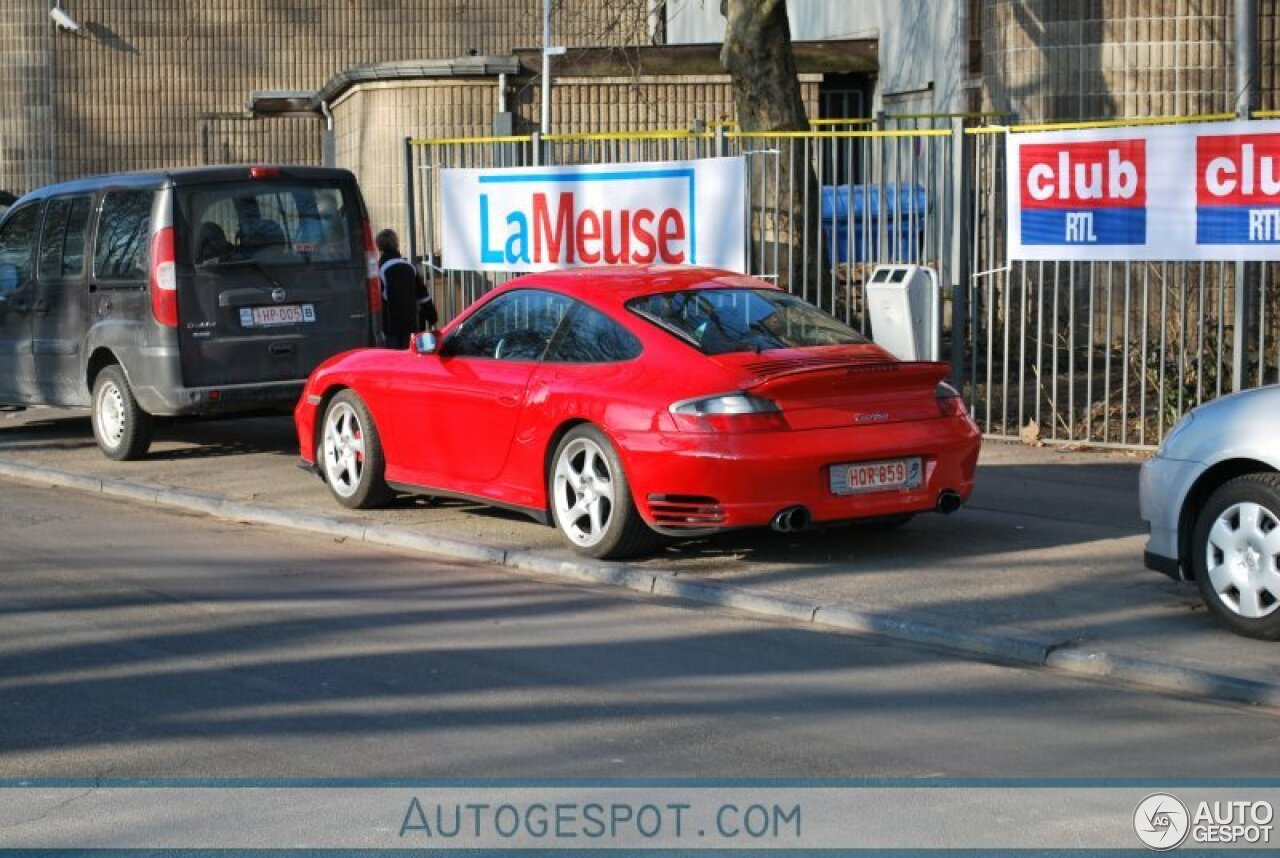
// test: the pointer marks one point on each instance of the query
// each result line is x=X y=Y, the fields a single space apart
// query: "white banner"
x=543 y=218
x=1203 y=191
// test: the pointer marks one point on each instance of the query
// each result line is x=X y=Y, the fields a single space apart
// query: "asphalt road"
x=1050 y=547
x=137 y=642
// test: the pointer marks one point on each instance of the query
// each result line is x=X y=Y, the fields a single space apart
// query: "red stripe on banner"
x=1091 y=175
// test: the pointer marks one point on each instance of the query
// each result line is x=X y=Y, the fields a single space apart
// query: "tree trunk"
x=785 y=225
x=757 y=54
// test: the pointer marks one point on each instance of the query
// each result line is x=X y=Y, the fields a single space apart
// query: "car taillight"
x=164 y=279
x=728 y=412
x=372 y=281
x=950 y=404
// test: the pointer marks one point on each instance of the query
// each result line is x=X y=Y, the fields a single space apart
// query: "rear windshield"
x=719 y=321
x=276 y=222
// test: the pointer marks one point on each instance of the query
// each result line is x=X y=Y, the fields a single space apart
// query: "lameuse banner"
x=542 y=218
x=1204 y=191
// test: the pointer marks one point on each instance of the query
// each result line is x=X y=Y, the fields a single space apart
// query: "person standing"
x=406 y=304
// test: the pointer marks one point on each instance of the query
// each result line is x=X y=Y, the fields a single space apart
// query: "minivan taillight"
x=164 y=279
x=373 y=281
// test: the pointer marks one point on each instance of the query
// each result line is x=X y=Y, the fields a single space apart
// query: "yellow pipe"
x=828 y=135
x=628 y=135
x=458 y=141
x=1123 y=123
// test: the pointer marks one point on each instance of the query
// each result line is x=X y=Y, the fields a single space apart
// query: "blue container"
x=903 y=215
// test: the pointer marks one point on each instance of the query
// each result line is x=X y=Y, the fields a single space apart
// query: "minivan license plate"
x=861 y=477
x=285 y=314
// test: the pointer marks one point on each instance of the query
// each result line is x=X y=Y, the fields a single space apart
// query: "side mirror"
x=426 y=342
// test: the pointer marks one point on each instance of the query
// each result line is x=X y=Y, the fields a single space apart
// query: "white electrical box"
x=905 y=306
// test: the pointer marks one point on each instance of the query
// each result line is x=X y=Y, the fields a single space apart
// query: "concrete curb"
x=1066 y=658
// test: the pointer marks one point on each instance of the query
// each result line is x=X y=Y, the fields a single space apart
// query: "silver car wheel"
x=584 y=492
x=110 y=414
x=1242 y=556
x=344 y=452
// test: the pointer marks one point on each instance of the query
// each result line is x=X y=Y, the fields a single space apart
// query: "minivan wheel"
x=121 y=427
x=351 y=454
x=1235 y=554
x=591 y=501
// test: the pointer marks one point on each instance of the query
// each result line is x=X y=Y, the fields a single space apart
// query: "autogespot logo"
x=1161 y=822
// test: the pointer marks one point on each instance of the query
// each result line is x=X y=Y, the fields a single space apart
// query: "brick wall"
x=133 y=89
x=1061 y=60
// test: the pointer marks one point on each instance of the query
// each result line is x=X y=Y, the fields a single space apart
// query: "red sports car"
x=628 y=404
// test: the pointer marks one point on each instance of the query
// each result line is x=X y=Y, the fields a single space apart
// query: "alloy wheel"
x=584 y=492
x=344 y=449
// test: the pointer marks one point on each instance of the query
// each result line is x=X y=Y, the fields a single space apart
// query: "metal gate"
x=1102 y=353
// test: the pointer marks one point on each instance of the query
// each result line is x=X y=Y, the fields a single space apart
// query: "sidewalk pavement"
x=1043 y=567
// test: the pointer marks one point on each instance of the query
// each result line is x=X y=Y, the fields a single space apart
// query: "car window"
x=277 y=222
x=17 y=244
x=516 y=326
x=592 y=337
x=62 y=243
x=124 y=230
x=719 y=321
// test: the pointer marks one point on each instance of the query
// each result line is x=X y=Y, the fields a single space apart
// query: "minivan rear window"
x=277 y=223
x=124 y=231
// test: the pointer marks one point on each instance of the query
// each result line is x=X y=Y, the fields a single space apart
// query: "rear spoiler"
x=866 y=376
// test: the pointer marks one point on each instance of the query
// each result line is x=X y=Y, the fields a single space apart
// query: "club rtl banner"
x=1203 y=191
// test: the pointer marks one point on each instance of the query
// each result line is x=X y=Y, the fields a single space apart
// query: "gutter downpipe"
x=328 y=156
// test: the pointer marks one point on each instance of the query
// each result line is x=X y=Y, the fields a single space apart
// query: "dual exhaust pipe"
x=797 y=518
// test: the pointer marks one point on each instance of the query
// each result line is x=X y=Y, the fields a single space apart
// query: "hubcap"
x=343 y=449
x=111 y=414
x=1243 y=559
x=584 y=492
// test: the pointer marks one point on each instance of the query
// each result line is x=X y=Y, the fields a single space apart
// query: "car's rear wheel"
x=1235 y=554
x=350 y=454
x=591 y=501
x=120 y=426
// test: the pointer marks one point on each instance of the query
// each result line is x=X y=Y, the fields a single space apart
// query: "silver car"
x=1212 y=499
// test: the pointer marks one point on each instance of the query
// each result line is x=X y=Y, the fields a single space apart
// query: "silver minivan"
x=202 y=291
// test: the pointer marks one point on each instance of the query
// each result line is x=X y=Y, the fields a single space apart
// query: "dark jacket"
x=406 y=304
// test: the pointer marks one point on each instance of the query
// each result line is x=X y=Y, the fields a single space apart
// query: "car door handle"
x=508 y=400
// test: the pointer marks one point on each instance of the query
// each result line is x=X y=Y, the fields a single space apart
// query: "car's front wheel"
x=591 y=501
x=1235 y=554
x=350 y=454
x=120 y=426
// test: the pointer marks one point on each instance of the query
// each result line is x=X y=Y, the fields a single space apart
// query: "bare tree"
x=758 y=56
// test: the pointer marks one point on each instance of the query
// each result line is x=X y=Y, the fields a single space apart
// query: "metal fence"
x=1100 y=353
x=866 y=198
